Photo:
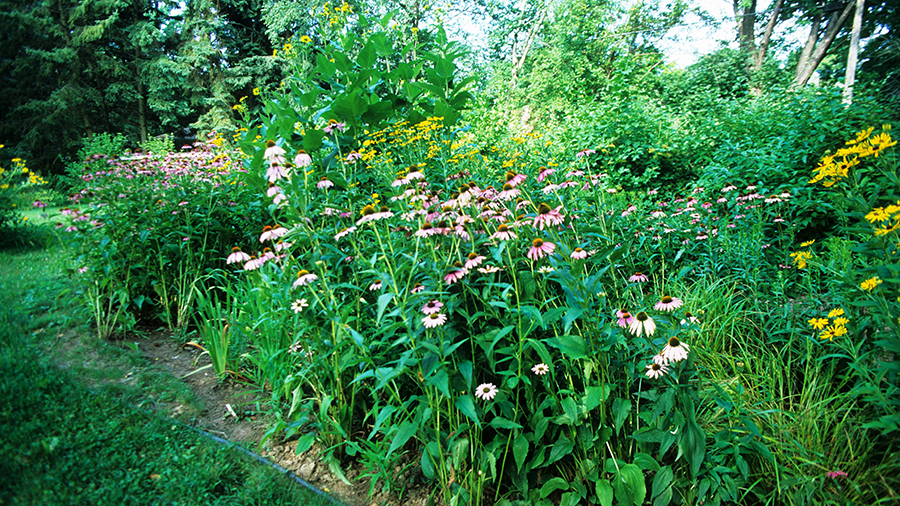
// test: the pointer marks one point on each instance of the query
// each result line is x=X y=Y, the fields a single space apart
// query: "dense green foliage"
x=580 y=276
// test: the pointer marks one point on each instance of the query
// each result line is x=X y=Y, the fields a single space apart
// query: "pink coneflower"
x=432 y=307
x=509 y=192
x=344 y=232
x=375 y=286
x=690 y=319
x=324 y=183
x=334 y=125
x=400 y=181
x=584 y=152
x=625 y=318
x=486 y=391
x=474 y=260
x=668 y=304
x=275 y=172
x=254 y=263
x=281 y=246
x=270 y=233
x=836 y=474
x=540 y=369
x=353 y=156
x=236 y=256
x=642 y=324
x=417 y=288
x=274 y=153
x=638 y=277
x=427 y=230
x=457 y=274
x=434 y=320
x=414 y=174
x=655 y=370
x=513 y=179
x=489 y=269
x=540 y=248
x=578 y=254
x=304 y=277
x=302 y=159
x=503 y=233
x=544 y=174
x=675 y=350
x=547 y=217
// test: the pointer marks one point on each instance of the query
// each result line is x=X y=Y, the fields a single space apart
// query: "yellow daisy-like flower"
x=834 y=313
x=826 y=334
x=807 y=243
x=840 y=322
x=305 y=39
x=256 y=91
x=870 y=284
x=837 y=330
x=878 y=214
x=818 y=323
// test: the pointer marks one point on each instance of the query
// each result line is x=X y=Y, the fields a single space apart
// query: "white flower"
x=299 y=305
x=486 y=391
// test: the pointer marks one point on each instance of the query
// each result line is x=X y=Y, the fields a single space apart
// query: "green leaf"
x=553 y=485
x=304 y=443
x=629 y=485
x=383 y=300
x=561 y=448
x=621 y=409
x=646 y=462
x=466 y=405
x=520 y=450
x=440 y=380
x=595 y=396
x=502 y=423
x=604 y=493
x=407 y=430
x=366 y=57
x=573 y=347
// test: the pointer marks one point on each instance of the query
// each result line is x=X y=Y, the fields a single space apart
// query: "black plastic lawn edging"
x=260 y=458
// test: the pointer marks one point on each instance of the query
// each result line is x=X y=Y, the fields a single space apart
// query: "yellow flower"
x=305 y=39
x=800 y=258
x=807 y=243
x=840 y=322
x=870 y=284
x=861 y=136
x=256 y=91
x=877 y=214
x=818 y=323
x=837 y=330
x=835 y=313
x=826 y=334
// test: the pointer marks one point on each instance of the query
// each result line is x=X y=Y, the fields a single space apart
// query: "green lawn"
x=64 y=443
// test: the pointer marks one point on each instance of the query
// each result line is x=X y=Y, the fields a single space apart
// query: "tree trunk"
x=767 y=36
x=142 y=108
x=852 y=56
x=519 y=61
x=746 y=23
x=834 y=25
x=810 y=43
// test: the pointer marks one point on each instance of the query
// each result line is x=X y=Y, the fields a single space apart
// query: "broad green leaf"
x=629 y=485
x=553 y=485
x=407 y=430
x=573 y=347
x=604 y=493
x=520 y=450
x=466 y=405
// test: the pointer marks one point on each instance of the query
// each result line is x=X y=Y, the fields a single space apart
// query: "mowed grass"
x=65 y=443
